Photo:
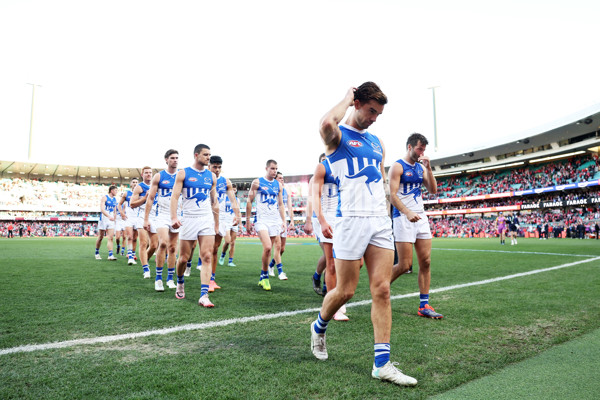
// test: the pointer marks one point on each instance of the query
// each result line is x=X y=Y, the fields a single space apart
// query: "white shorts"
x=235 y=228
x=283 y=233
x=164 y=221
x=105 y=224
x=354 y=234
x=135 y=223
x=273 y=229
x=408 y=232
x=192 y=227
x=120 y=225
x=318 y=231
x=224 y=226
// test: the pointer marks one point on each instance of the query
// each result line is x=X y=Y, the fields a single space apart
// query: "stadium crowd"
x=85 y=197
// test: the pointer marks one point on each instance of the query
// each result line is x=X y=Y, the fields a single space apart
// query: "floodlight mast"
x=33 y=85
x=435 y=141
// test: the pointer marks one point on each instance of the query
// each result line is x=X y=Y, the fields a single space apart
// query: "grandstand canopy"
x=576 y=132
x=579 y=131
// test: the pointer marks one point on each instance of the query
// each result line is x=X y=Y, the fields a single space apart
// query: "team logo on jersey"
x=208 y=180
x=376 y=147
x=370 y=172
x=355 y=143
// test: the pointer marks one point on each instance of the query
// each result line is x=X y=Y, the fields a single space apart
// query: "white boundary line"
x=518 y=252
x=214 y=324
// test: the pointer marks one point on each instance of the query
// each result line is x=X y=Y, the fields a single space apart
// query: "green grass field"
x=55 y=293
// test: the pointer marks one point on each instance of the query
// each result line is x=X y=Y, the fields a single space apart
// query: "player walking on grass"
x=411 y=226
x=270 y=217
x=129 y=218
x=363 y=228
x=226 y=219
x=282 y=238
x=199 y=220
x=233 y=231
x=106 y=224
x=161 y=188
x=325 y=201
x=148 y=239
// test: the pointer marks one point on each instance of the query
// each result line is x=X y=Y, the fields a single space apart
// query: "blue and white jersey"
x=142 y=208
x=267 y=203
x=355 y=167
x=329 y=195
x=222 y=195
x=129 y=212
x=229 y=206
x=165 y=189
x=409 y=191
x=196 y=193
x=110 y=204
x=284 y=193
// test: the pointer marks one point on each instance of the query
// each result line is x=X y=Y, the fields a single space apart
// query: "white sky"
x=123 y=81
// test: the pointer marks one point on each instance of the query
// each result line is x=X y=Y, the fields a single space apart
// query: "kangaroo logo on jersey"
x=355 y=143
x=199 y=197
x=372 y=174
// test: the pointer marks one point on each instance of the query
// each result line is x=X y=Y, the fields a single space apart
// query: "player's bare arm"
x=329 y=130
x=214 y=202
x=395 y=173
x=308 y=225
x=251 y=196
x=136 y=200
x=150 y=200
x=177 y=187
x=428 y=179
x=121 y=208
x=317 y=192
x=234 y=204
x=281 y=209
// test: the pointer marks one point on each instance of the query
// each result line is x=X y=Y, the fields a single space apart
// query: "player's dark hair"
x=370 y=91
x=415 y=138
x=111 y=187
x=216 y=160
x=279 y=173
x=271 y=162
x=199 y=148
x=321 y=156
x=170 y=152
x=233 y=185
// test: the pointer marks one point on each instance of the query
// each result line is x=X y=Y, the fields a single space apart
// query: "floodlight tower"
x=435 y=141
x=33 y=85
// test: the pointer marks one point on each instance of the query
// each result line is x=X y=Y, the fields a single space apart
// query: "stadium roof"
x=578 y=131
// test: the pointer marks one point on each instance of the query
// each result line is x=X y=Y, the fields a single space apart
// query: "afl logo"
x=166 y=182
x=409 y=173
x=354 y=143
x=193 y=180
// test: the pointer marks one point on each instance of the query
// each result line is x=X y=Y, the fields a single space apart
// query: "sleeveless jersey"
x=163 y=194
x=127 y=204
x=409 y=190
x=196 y=193
x=222 y=196
x=355 y=167
x=329 y=196
x=142 y=208
x=267 y=207
x=229 y=206
x=110 y=203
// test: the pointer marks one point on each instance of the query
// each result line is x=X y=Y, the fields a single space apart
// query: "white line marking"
x=518 y=252
x=214 y=324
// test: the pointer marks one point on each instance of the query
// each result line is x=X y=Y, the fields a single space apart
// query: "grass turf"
x=59 y=292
